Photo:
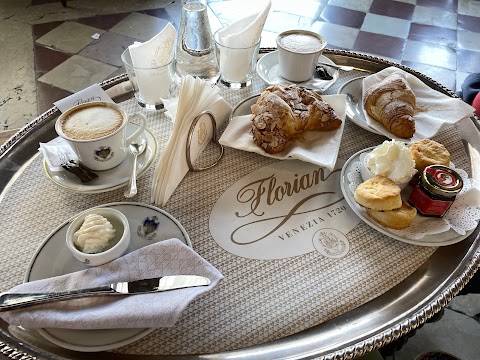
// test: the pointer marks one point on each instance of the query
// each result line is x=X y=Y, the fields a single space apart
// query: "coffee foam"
x=91 y=122
x=301 y=43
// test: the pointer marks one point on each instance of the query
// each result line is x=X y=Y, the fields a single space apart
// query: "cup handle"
x=143 y=125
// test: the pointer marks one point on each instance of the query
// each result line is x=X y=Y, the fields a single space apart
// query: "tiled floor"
x=48 y=52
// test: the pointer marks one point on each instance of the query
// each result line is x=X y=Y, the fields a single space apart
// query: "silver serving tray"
x=364 y=329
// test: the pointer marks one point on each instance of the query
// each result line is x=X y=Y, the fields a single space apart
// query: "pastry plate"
x=143 y=220
x=112 y=179
x=354 y=109
x=445 y=238
x=268 y=70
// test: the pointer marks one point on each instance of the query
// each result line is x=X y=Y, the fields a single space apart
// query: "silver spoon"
x=136 y=148
x=352 y=99
x=343 y=67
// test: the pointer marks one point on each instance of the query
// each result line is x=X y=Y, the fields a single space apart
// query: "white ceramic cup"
x=97 y=133
x=298 y=53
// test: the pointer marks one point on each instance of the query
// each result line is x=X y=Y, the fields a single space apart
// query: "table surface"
x=423 y=293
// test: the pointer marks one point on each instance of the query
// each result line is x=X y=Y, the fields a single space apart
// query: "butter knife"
x=12 y=301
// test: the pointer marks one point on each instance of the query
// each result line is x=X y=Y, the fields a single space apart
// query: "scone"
x=429 y=152
x=398 y=219
x=378 y=193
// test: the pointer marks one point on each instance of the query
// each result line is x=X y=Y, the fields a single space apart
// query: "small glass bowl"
x=367 y=174
x=119 y=243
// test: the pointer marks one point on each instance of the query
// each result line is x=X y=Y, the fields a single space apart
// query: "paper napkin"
x=158 y=51
x=149 y=310
x=149 y=59
x=196 y=95
x=433 y=109
x=317 y=147
x=243 y=33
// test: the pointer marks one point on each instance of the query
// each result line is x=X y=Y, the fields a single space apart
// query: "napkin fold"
x=150 y=59
x=156 y=52
x=433 y=109
x=317 y=147
x=195 y=96
x=242 y=34
x=150 y=310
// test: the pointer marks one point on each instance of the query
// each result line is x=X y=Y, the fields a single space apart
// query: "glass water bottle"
x=195 y=53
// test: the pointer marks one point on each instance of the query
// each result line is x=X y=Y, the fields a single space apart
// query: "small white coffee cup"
x=298 y=53
x=96 y=131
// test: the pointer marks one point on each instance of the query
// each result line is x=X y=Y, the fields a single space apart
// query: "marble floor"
x=49 y=52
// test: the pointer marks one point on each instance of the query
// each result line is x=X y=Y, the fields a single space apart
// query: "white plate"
x=441 y=239
x=112 y=179
x=268 y=70
x=142 y=219
x=354 y=108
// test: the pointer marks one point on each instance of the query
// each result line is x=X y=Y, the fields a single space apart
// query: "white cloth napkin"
x=433 y=109
x=243 y=33
x=150 y=310
x=196 y=95
x=149 y=59
x=318 y=147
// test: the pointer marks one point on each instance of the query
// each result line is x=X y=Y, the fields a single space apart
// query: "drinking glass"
x=151 y=85
x=237 y=64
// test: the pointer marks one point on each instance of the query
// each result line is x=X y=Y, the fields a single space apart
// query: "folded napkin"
x=317 y=147
x=433 y=109
x=243 y=33
x=196 y=95
x=246 y=31
x=151 y=310
x=149 y=59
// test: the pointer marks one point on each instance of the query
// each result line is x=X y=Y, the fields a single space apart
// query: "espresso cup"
x=298 y=53
x=96 y=131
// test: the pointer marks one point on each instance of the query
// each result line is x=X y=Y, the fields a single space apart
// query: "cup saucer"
x=269 y=71
x=112 y=179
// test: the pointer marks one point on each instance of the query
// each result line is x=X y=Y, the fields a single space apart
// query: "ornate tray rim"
x=311 y=339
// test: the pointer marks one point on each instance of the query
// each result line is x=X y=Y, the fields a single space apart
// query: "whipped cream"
x=393 y=160
x=94 y=234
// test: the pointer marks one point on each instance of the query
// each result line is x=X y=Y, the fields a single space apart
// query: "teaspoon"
x=136 y=148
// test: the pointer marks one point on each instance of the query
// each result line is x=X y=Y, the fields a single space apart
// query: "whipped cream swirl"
x=94 y=235
x=393 y=160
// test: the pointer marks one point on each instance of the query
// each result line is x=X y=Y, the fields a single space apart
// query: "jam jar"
x=435 y=190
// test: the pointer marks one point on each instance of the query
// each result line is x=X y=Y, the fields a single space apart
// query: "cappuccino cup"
x=96 y=131
x=298 y=53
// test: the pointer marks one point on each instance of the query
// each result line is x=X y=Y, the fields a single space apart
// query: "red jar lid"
x=442 y=180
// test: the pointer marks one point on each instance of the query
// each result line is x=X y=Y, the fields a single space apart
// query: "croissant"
x=391 y=102
x=281 y=114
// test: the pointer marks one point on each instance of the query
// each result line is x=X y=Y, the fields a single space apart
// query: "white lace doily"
x=462 y=216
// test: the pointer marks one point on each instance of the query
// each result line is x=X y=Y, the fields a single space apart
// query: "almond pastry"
x=281 y=114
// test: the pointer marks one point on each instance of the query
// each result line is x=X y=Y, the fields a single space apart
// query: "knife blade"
x=12 y=301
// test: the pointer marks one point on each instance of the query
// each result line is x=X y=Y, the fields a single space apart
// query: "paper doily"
x=462 y=216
